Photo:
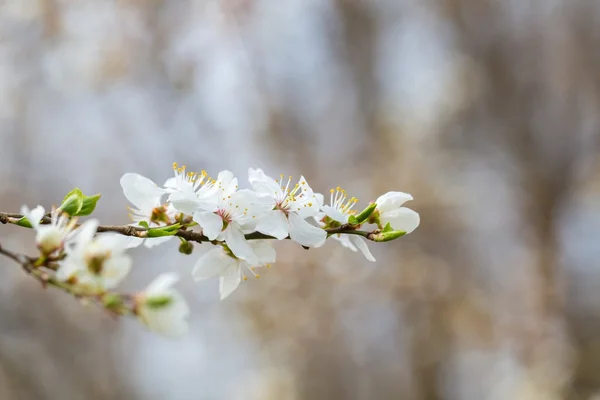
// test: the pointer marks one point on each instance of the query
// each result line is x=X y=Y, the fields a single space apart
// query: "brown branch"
x=184 y=233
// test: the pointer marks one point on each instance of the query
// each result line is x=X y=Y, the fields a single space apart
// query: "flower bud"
x=186 y=247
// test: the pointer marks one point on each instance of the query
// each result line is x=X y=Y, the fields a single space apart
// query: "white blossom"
x=49 y=237
x=94 y=263
x=232 y=214
x=339 y=209
x=161 y=308
x=290 y=206
x=191 y=191
x=146 y=197
x=391 y=211
x=230 y=269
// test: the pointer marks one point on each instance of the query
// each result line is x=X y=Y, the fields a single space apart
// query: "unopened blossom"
x=51 y=237
x=389 y=207
x=94 y=263
x=161 y=308
x=221 y=262
x=191 y=191
x=336 y=213
x=290 y=206
x=232 y=214
x=146 y=198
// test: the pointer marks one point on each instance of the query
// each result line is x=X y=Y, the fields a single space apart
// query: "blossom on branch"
x=94 y=263
x=290 y=206
x=338 y=212
x=52 y=237
x=223 y=263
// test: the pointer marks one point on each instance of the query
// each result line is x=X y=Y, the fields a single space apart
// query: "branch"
x=28 y=264
x=184 y=233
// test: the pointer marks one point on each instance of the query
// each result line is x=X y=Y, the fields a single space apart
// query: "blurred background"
x=488 y=112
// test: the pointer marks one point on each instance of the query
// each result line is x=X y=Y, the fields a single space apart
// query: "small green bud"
x=186 y=247
x=112 y=301
x=24 y=222
x=158 y=301
x=73 y=202
x=89 y=205
x=144 y=224
x=366 y=213
x=387 y=236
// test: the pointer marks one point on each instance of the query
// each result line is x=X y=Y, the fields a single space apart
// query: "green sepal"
x=89 y=205
x=112 y=301
x=352 y=220
x=168 y=230
x=144 y=224
x=387 y=236
x=73 y=202
x=365 y=214
x=387 y=228
x=24 y=222
x=158 y=301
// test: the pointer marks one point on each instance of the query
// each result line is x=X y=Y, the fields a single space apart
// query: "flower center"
x=339 y=200
x=159 y=214
x=289 y=194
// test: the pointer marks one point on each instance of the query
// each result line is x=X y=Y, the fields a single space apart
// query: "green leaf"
x=387 y=228
x=169 y=230
x=158 y=301
x=73 y=202
x=144 y=224
x=366 y=213
x=89 y=205
x=24 y=222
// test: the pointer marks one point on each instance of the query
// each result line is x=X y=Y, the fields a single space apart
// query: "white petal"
x=361 y=245
x=161 y=284
x=335 y=214
x=264 y=184
x=186 y=203
x=34 y=216
x=274 y=223
x=401 y=219
x=306 y=205
x=304 y=233
x=230 y=282
x=115 y=269
x=239 y=245
x=141 y=191
x=264 y=250
x=211 y=264
x=171 y=183
x=211 y=223
x=392 y=200
x=344 y=240
x=67 y=269
x=151 y=242
x=226 y=183
x=130 y=242
x=320 y=199
x=86 y=232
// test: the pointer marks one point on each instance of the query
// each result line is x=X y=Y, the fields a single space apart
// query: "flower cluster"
x=90 y=261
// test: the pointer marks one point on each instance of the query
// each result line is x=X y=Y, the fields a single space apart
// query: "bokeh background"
x=487 y=111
